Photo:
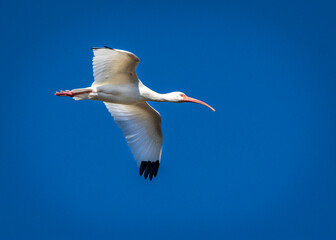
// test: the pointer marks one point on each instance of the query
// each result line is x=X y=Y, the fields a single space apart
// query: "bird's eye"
x=181 y=95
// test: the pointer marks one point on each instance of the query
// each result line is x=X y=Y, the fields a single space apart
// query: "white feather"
x=112 y=66
x=141 y=126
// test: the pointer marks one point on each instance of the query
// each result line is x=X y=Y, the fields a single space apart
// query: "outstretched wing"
x=113 y=66
x=141 y=126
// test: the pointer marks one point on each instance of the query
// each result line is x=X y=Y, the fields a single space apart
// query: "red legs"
x=68 y=93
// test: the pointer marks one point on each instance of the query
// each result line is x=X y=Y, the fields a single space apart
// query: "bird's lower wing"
x=141 y=126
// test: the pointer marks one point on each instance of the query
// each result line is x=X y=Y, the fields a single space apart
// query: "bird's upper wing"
x=141 y=126
x=113 y=66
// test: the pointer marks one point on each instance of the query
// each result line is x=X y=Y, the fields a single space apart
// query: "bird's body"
x=117 y=85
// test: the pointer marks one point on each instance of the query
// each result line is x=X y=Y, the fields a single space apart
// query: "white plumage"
x=114 y=67
x=117 y=85
x=141 y=126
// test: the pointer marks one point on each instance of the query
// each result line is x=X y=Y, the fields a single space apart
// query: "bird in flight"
x=125 y=96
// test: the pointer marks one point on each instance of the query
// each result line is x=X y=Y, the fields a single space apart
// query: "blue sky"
x=261 y=167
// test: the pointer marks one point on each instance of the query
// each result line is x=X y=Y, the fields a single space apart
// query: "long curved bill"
x=189 y=99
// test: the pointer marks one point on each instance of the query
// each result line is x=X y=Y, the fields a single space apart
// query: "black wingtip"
x=95 y=48
x=142 y=167
x=149 y=169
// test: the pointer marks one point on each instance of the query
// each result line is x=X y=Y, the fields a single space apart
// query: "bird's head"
x=180 y=97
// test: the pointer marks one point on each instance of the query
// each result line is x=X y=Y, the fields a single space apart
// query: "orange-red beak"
x=189 y=99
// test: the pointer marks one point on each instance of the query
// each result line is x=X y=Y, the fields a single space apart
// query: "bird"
x=116 y=84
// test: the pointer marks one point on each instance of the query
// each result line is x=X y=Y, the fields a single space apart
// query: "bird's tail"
x=81 y=93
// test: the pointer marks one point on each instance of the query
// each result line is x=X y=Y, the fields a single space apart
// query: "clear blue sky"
x=261 y=167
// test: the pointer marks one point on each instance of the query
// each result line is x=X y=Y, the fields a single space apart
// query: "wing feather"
x=141 y=126
x=113 y=66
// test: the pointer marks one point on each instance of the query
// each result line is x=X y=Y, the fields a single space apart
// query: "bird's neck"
x=150 y=95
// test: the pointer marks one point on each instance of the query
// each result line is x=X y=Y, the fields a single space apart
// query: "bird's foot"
x=65 y=93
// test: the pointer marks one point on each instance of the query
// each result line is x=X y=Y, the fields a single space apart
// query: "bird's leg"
x=68 y=93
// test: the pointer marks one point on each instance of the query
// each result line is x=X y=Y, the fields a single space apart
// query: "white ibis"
x=125 y=96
